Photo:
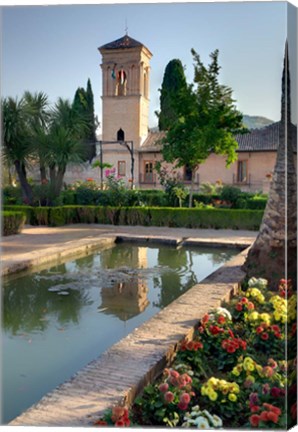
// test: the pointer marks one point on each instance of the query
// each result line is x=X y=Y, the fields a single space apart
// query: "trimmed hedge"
x=13 y=222
x=146 y=216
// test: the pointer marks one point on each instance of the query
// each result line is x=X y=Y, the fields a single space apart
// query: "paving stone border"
x=120 y=373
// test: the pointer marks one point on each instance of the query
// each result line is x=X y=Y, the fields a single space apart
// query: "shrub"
x=27 y=210
x=56 y=216
x=148 y=216
x=12 y=195
x=257 y=203
x=13 y=222
x=230 y=194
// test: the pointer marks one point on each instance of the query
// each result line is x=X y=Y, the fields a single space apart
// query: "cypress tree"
x=84 y=103
x=174 y=82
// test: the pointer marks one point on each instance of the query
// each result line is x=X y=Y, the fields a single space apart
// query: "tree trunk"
x=26 y=188
x=193 y=172
x=273 y=254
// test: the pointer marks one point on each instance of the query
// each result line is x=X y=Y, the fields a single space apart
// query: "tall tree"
x=37 y=110
x=65 y=142
x=205 y=121
x=274 y=252
x=173 y=83
x=17 y=149
x=84 y=103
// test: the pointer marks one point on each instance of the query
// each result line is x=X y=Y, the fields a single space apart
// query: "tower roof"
x=126 y=42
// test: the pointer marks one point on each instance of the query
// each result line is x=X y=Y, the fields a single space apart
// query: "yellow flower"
x=232 y=397
x=250 y=367
x=213 y=381
x=235 y=388
x=213 y=396
x=235 y=371
x=253 y=316
x=265 y=317
x=250 y=378
x=277 y=316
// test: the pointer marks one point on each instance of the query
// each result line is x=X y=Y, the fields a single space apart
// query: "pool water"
x=56 y=321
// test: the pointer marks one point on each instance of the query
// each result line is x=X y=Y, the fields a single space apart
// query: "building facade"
x=133 y=150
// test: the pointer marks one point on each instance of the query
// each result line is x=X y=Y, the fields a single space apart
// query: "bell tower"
x=125 y=90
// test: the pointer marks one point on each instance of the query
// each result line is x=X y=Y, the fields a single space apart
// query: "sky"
x=54 y=49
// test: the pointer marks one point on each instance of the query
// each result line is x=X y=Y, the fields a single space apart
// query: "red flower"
x=243 y=345
x=275 y=328
x=214 y=330
x=264 y=416
x=259 y=330
x=100 y=423
x=221 y=319
x=278 y=335
x=182 y=406
x=272 y=416
x=185 y=398
x=250 y=305
x=254 y=420
x=275 y=392
x=174 y=373
x=190 y=345
x=205 y=319
x=238 y=307
x=265 y=336
x=119 y=423
x=163 y=387
x=273 y=408
x=268 y=371
x=254 y=408
x=201 y=329
x=198 y=345
x=169 y=397
x=244 y=300
x=231 y=349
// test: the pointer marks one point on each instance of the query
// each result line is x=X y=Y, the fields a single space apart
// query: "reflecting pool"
x=57 y=320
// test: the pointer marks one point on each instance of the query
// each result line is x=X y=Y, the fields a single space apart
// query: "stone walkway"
x=123 y=370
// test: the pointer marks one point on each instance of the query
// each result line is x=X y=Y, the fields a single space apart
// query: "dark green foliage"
x=56 y=216
x=27 y=210
x=173 y=83
x=12 y=222
x=83 y=103
x=11 y=195
x=205 y=121
x=230 y=194
x=148 y=216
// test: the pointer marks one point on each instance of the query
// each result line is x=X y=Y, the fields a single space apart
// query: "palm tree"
x=273 y=254
x=64 y=142
x=17 y=148
x=37 y=109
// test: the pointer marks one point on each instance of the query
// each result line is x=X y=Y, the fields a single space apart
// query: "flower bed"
x=239 y=371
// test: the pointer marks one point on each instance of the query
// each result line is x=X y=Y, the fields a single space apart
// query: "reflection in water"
x=56 y=321
x=125 y=299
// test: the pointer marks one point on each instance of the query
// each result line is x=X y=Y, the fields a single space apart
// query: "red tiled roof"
x=263 y=139
x=122 y=43
x=153 y=142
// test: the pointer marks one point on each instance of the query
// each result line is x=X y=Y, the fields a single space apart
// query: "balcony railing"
x=147 y=178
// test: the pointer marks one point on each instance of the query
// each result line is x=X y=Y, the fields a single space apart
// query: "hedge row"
x=147 y=216
x=12 y=222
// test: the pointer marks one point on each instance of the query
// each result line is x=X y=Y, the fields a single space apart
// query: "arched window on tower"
x=121 y=83
x=120 y=135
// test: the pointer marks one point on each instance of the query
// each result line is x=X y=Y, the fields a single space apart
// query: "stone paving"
x=123 y=370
